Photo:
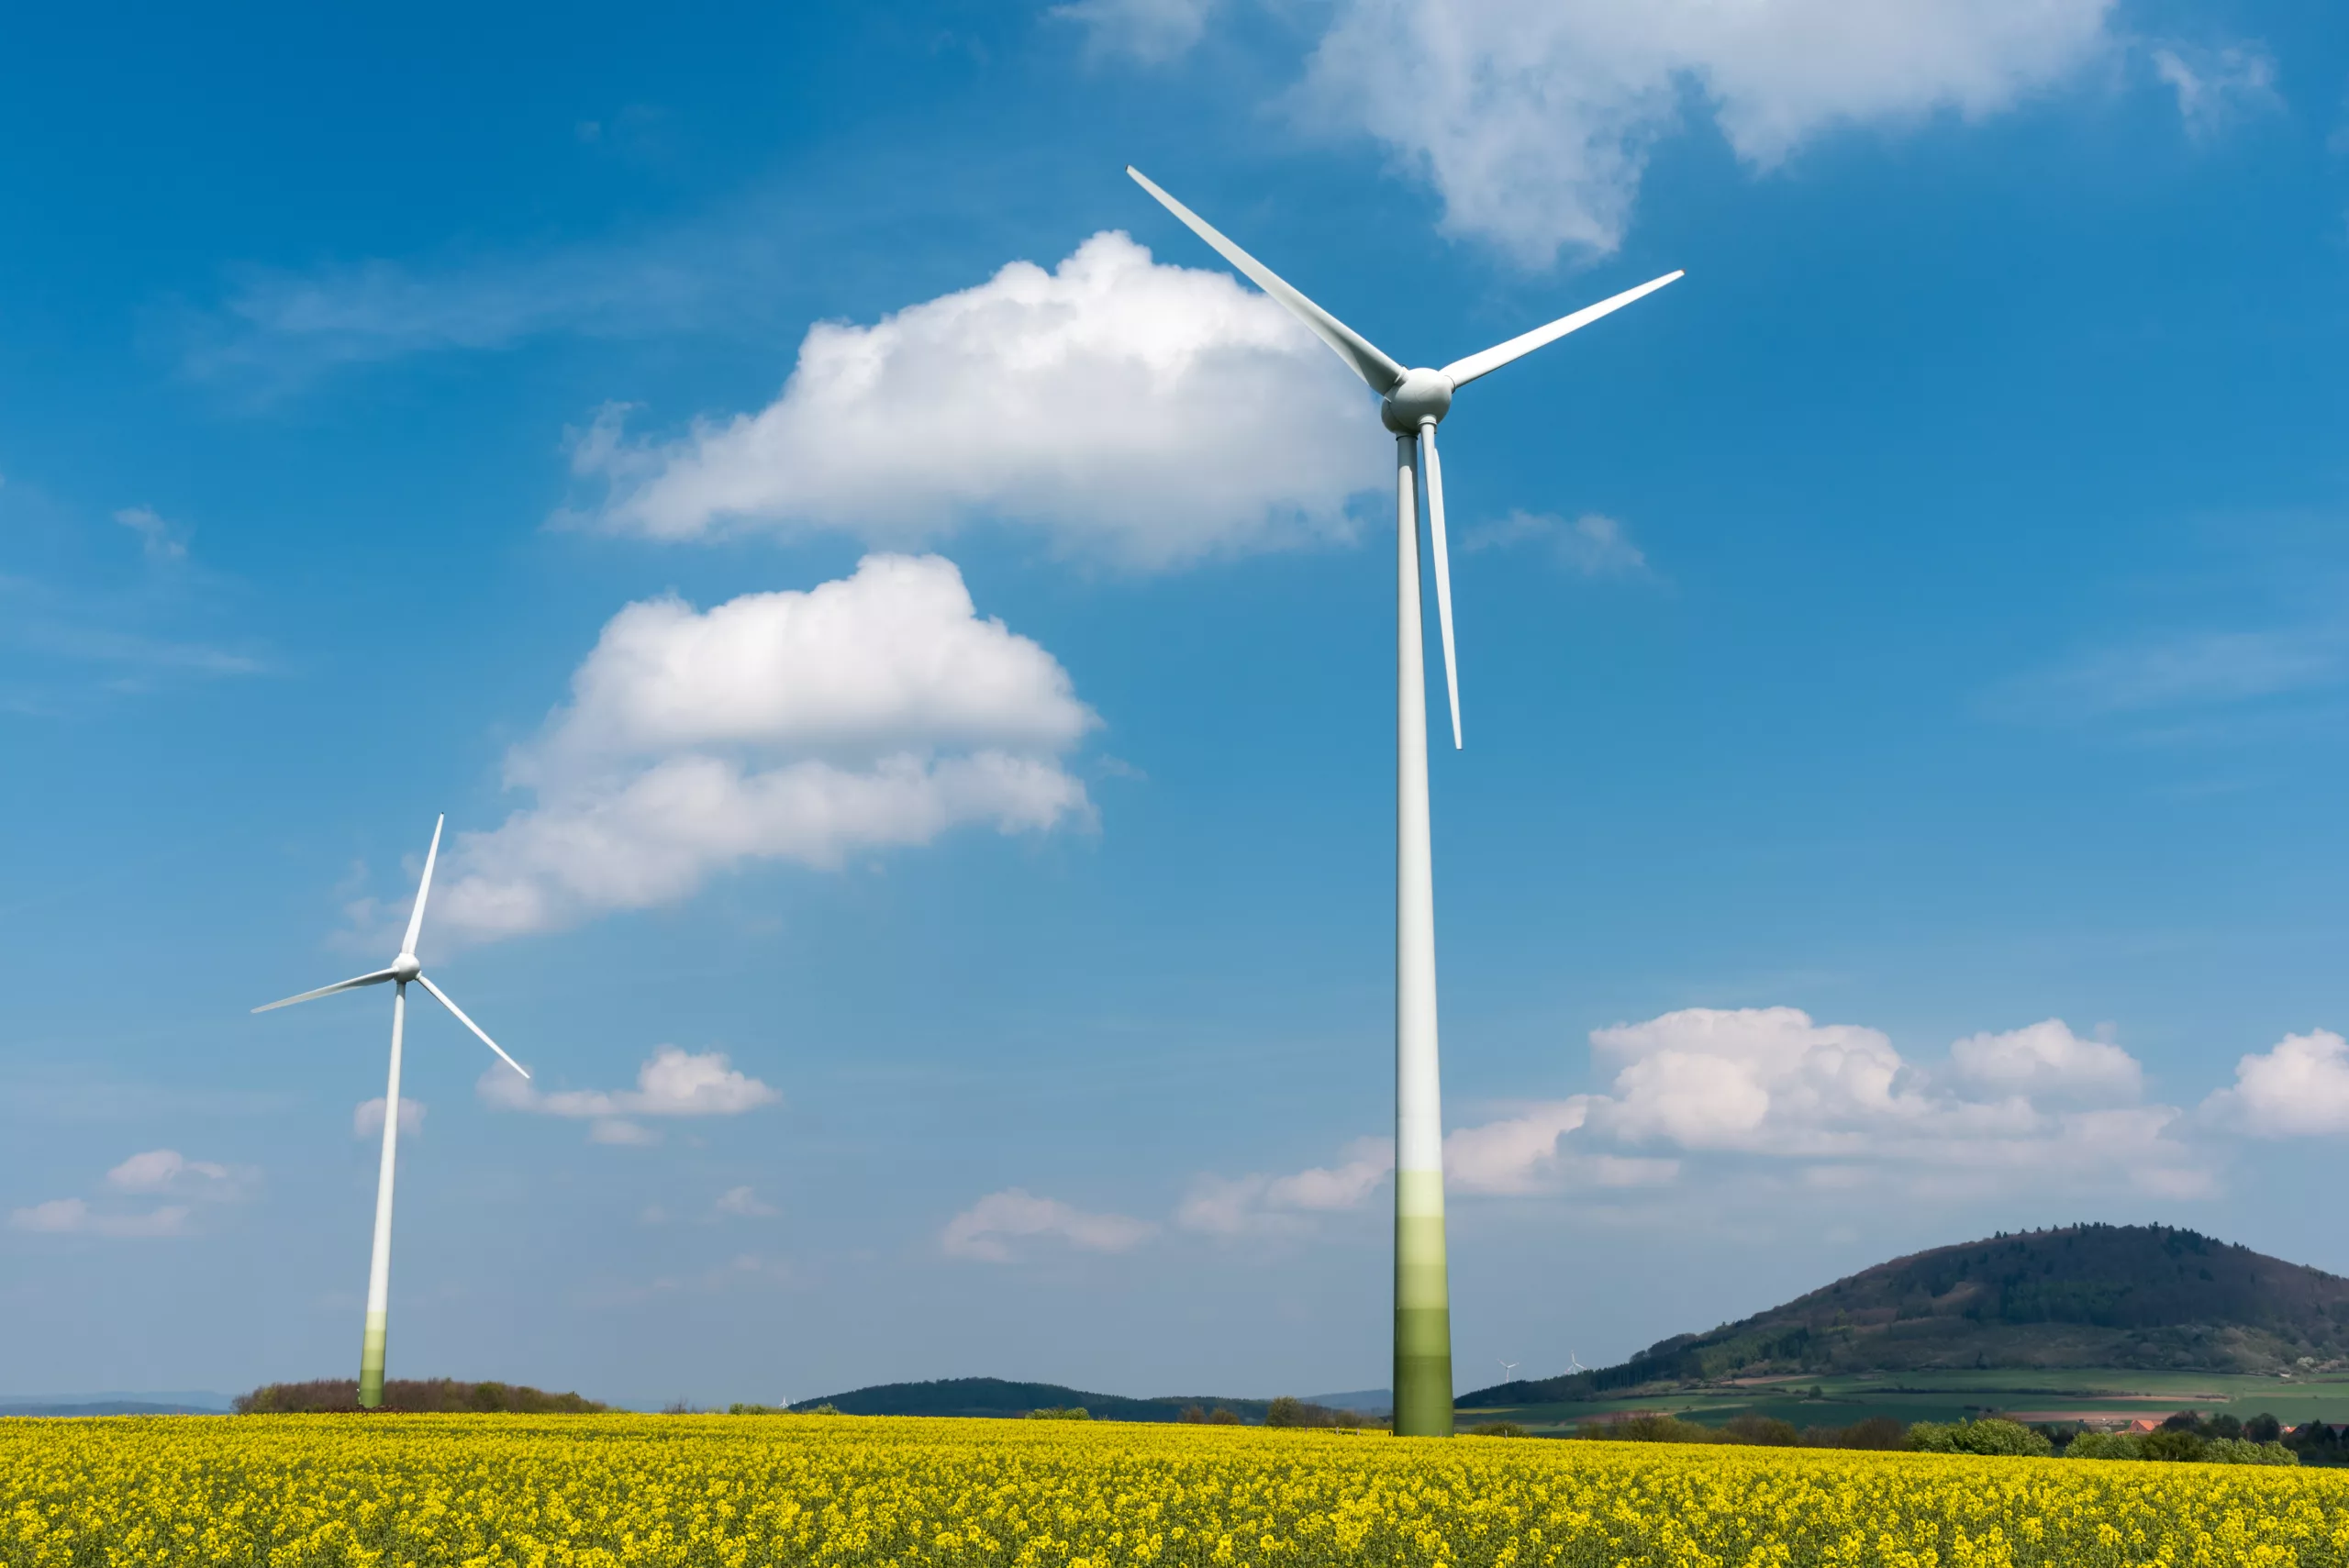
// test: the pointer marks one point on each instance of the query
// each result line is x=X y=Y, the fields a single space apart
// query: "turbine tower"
x=1414 y=403
x=402 y=970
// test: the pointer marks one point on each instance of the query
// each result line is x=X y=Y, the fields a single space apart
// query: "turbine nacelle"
x=1421 y=398
x=405 y=968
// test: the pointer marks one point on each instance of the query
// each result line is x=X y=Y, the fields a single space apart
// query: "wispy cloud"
x=162 y=540
x=2201 y=669
x=277 y=328
x=126 y=626
x=2220 y=84
x=1593 y=544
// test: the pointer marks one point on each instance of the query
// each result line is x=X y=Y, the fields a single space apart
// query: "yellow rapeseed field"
x=294 y=1491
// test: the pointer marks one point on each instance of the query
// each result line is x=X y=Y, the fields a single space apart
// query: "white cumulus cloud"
x=878 y=711
x=169 y=1171
x=2298 y=1089
x=745 y=1204
x=675 y=1082
x=1533 y=119
x=1773 y=1083
x=1145 y=414
x=986 y=1231
x=1522 y=1153
x=1232 y=1205
x=2047 y=1058
x=367 y=1119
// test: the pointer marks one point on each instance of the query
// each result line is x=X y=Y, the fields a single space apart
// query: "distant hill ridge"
x=2086 y=1296
x=996 y=1396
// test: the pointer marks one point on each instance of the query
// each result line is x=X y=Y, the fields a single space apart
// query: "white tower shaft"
x=379 y=1262
x=1422 y=1292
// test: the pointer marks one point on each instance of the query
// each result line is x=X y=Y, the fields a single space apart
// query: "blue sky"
x=882 y=609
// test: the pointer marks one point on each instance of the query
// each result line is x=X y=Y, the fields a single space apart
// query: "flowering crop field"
x=294 y=1491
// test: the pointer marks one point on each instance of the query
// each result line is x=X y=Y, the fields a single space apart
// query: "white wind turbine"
x=404 y=969
x=1415 y=402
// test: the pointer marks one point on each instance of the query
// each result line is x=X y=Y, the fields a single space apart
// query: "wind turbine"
x=1573 y=1365
x=1509 y=1370
x=402 y=970
x=1414 y=403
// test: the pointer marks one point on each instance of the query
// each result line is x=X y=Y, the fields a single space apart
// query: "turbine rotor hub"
x=1419 y=397
x=405 y=968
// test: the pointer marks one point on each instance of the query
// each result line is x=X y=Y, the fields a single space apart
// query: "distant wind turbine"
x=1415 y=403
x=1573 y=1365
x=404 y=969
x=1509 y=1370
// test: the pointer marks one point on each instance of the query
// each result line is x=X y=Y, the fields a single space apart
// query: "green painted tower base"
x=370 y=1363
x=1422 y=1308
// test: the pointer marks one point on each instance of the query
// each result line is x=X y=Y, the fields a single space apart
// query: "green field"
x=1954 y=1396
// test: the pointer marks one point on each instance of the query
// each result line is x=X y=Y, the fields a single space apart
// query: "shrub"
x=1053 y=1413
x=1648 y=1430
x=1876 y=1431
x=1219 y=1417
x=1763 y=1431
x=1288 y=1411
x=1499 y=1430
x=2242 y=1450
x=440 y=1395
x=2173 y=1443
x=1989 y=1435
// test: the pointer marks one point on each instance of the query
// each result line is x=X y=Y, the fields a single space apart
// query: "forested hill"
x=996 y=1396
x=2086 y=1296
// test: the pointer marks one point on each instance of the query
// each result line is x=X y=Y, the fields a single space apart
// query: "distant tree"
x=2263 y=1429
x=1196 y=1415
x=1219 y=1417
x=1070 y=1413
x=1499 y=1430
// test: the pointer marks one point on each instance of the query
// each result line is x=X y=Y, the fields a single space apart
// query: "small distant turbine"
x=1509 y=1371
x=1573 y=1365
x=403 y=969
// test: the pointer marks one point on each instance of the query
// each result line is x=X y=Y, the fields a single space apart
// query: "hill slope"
x=2087 y=1296
x=995 y=1396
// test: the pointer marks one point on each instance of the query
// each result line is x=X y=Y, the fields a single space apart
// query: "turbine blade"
x=423 y=888
x=1442 y=570
x=375 y=979
x=1364 y=357
x=1463 y=372
x=426 y=981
